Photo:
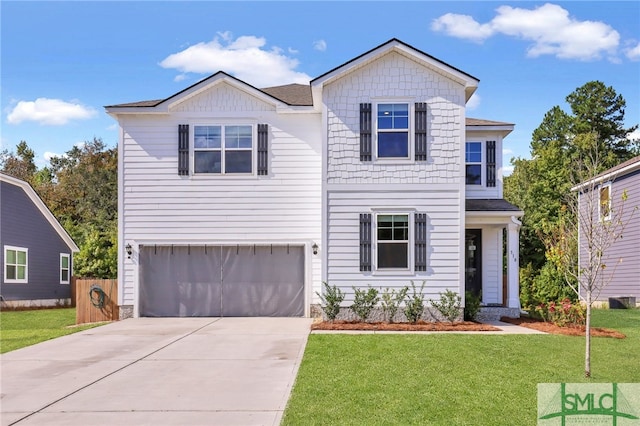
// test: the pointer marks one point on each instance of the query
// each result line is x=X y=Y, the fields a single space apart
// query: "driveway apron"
x=157 y=371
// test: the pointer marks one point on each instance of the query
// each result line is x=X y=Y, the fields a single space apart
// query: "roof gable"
x=470 y=82
x=37 y=201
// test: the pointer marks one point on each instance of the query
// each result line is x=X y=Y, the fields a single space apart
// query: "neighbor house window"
x=16 y=264
x=223 y=149
x=393 y=130
x=604 y=202
x=473 y=160
x=393 y=241
x=65 y=268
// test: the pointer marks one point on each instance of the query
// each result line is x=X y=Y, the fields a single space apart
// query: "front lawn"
x=24 y=328
x=451 y=379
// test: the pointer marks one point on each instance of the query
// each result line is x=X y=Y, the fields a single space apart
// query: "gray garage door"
x=202 y=281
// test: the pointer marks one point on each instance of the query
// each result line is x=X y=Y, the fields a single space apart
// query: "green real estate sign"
x=615 y=404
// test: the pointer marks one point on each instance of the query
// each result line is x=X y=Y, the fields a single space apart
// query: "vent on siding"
x=183 y=149
x=421 y=131
x=365 y=241
x=263 y=149
x=421 y=242
x=491 y=163
x=365 y=132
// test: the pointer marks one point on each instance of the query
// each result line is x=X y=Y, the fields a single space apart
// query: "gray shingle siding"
x=23 y=225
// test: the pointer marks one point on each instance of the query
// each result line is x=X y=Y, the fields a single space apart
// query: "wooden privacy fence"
x=96 y=300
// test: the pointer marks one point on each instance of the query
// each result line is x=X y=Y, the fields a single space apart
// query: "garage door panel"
x=263 y=281
x=221 y=281
x=180 y=281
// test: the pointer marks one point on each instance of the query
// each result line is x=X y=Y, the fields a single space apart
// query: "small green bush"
x=471 y=306
x=448 y=306
x=414 y=306
x=331 y=299
x=391 y=300
x=364 y=302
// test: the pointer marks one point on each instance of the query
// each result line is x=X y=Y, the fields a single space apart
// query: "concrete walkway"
x=157 y=371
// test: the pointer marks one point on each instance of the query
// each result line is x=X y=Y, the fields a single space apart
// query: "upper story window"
x=16 y=264
x=393 y=130
x=223 y=149
x=473 y=160
x=604 y=201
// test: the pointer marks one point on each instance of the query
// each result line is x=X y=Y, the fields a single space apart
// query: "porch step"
x=494 y=313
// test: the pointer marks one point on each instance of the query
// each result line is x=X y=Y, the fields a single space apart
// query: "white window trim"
x=223 y=124
x=482 y=164
x=68 y=257
x=411 y=136
x=411 y=243
x=607 y=217
x=26 y=268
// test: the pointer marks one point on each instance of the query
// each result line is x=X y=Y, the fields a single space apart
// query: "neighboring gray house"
x=37 y=253
x=240 y=201
x=623 y=257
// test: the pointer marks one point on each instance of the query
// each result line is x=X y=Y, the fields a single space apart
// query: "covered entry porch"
x=491 y=247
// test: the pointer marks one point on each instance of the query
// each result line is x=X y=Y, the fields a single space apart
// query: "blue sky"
x=62 y=62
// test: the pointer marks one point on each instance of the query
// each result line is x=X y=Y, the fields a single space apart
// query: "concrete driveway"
x=157 y=371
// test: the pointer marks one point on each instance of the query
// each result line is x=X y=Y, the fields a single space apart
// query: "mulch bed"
x=548 y=327
x=419 y=326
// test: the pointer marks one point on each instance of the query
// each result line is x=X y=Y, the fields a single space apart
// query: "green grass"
x=447 y=379
x=25 y=328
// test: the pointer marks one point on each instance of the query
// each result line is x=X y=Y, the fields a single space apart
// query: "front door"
x=473 y=261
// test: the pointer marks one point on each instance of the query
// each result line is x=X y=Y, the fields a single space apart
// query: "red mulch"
x=419 y=326
x=548 y=327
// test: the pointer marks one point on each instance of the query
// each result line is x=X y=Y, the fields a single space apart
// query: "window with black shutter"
x=365 y=242
x=421 y=131
x=491 y=163
x=263 y=149
x=365 y=132
x=183 y=149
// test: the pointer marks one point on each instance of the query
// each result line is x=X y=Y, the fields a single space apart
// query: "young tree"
x=589 y=225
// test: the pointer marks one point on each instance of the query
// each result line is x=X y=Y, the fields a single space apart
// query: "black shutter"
x=421 y=131
x=365 y=132
x=263 y=149
x=365 y=241
x=183 y=149
x=491 y=163
x=421 y=242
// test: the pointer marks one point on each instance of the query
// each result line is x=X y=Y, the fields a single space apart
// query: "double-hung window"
x=604 y=202
x=223 y=149
x=65 y=268
x=473 y=160
x=393 y=130
x=16 y=264
x=393 y=241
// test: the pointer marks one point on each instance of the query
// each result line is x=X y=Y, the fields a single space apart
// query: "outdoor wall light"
x=129 y=250
x=315 y=248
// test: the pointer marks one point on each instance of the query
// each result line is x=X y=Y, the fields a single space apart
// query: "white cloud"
x=549 y=27
x=507 y=170
x=633 y=53
x=474 y=101
x=54 y=112
x=48 y=155
x=320 y=45
x=507 y=151
x=462 y=26
x=635 y=135
x=246 y=58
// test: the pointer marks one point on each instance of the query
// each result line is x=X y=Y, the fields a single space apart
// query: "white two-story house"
x=240 y=201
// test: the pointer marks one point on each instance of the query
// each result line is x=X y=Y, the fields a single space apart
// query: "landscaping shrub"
x=391 y=300
x=448 y=306
x=471 y=306
x=414 y=307
x=364 y=301
x=564 y=313
x=331 y=300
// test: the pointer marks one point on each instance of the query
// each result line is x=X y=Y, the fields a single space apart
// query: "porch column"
x=513 y=262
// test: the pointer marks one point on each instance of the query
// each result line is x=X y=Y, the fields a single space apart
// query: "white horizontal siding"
x=443 y=238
